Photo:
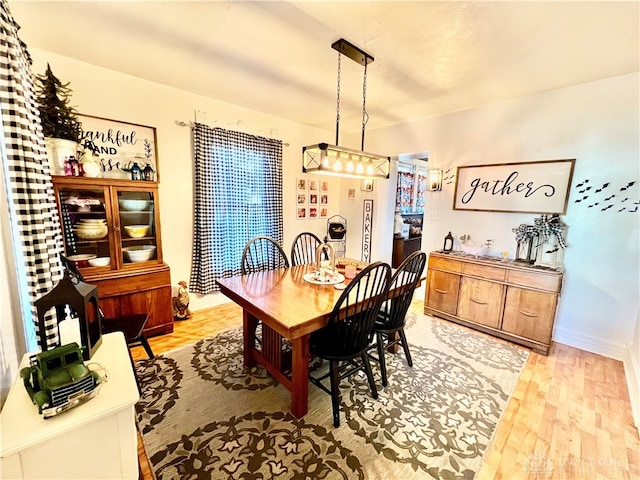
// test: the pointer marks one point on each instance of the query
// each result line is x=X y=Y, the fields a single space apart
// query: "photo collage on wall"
x=312 y=199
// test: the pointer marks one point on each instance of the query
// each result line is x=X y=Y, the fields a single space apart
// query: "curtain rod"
x=181 y=123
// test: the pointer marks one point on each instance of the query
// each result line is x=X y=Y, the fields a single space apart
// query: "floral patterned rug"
x=202 y=415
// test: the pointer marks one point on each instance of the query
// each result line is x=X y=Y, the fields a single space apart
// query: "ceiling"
x=276 y=57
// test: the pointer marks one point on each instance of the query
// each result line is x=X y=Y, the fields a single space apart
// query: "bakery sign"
x=526 y=187
x=119 y=145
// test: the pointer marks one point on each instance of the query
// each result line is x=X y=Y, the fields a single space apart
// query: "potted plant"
x=60 y=124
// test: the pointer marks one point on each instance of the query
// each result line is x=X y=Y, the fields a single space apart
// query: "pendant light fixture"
x=327 y=159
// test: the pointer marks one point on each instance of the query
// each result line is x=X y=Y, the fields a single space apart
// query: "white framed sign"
x=367 y=227
x=525 y=187
x=119 y=145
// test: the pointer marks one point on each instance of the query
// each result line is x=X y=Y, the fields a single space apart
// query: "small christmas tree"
x=59 y=119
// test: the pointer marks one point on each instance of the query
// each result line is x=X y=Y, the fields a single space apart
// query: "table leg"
x=300 y=376
x=249 y=323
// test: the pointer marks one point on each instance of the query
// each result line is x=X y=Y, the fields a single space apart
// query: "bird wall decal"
x=606 y=202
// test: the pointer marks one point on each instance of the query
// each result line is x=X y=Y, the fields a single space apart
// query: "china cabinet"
x=111 y=231
x=510 y=300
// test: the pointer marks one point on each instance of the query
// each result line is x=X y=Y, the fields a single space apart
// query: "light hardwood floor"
x=569 y=417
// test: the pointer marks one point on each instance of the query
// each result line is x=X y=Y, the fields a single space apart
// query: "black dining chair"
x=389 y=326
x=347 y=336
x=303 y=249
x=262 y=253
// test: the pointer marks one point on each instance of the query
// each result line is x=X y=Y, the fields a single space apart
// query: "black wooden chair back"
x=303 y=249
x=262 y=253
x=403 y=284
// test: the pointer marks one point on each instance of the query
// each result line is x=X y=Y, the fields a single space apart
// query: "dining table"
x=289 y=308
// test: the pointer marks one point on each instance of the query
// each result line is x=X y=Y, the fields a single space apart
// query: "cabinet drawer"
x=542 y=281
x=530 y=314
x=442 y=291
x=445 y=264
x=481 y=301
x=490 y=273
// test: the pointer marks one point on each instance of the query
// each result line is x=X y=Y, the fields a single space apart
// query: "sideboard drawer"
x=542 y=281
x=445 y=264
x=483 y=271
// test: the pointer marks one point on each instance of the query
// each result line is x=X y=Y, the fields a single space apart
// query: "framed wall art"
x=525 y=187
x=119 y=145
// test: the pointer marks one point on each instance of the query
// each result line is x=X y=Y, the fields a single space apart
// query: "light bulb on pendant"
x=369 y=169
x=350 y=166
x=337 y=166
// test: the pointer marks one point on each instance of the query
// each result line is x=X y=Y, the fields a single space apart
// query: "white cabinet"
x=96 y=440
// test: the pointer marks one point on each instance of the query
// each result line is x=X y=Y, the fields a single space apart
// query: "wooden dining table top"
x=291 y=305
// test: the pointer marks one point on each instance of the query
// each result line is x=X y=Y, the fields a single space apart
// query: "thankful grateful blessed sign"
x=527 y=187
x=119 y=144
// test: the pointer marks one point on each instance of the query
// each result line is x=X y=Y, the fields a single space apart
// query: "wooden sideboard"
x=510 y=300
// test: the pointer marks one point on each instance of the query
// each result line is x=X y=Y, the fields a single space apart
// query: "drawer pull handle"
x=528 y=314
x=478 y=302
x=444 y=292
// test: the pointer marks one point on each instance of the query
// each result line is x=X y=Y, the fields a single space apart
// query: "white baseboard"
x=590 y=344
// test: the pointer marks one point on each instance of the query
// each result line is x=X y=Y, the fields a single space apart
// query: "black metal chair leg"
x=381 y=359
x=147 y=347
x=367 y=367
x=405 y=346
x=335 y=391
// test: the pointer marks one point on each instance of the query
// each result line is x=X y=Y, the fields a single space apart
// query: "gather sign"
x=525 y=187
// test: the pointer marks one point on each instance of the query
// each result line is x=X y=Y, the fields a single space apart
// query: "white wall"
x=632 y=372
x=598 y=125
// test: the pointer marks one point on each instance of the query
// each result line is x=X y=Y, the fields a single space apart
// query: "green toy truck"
x=58 y=380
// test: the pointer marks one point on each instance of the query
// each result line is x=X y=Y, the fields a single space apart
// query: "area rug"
x=203 y=415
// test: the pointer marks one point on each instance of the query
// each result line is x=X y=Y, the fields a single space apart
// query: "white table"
x=95 y=440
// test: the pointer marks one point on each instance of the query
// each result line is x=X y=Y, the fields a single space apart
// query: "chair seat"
x=321 y=345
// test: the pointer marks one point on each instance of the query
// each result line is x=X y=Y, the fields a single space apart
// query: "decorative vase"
x=91 y=165
x=59 y=149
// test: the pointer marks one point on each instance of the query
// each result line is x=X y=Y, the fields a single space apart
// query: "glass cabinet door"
x=136 y=217
x=86 y=226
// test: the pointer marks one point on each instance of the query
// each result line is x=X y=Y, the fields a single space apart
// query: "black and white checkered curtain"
x=238 y=195
x=26 y=170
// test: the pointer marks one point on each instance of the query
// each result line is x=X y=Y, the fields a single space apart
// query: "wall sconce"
x=434 y=179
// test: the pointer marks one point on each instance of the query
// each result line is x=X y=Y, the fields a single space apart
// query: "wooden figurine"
x=181 y=302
